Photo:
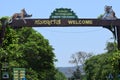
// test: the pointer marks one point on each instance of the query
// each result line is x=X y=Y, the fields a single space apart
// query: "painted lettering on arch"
x=80 y=22
x=47 y=22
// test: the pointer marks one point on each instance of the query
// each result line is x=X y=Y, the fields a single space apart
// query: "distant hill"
x=68 y=71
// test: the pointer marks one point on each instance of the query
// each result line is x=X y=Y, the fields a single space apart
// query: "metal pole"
x=118 y=37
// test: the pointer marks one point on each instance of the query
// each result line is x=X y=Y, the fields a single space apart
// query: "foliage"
x=76 y=74
x=111 y=47
x=27 y=48
x=100 y=16
x=79 y=59
x=60 y=76
x=99 y=67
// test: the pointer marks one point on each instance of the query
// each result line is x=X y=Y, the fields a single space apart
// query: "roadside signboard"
x=19 y=73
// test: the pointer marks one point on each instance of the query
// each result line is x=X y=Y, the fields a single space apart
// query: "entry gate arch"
x=65 y=17
x=89 y=22
x=82 y=22
x=51 y=22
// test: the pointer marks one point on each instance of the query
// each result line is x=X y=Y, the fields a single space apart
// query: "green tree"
x=60 y=76
x=37 y=52
x=111 y=47
x=27 y=48
x=79 y=59
x=9 y=46
x=76 y=74
x=100 y=66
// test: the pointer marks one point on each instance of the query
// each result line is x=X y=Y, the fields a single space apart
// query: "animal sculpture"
x=109 y=13
x=23 y=14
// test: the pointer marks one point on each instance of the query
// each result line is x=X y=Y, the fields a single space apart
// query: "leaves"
x=29 y=49
x=79 y=58
x=100 y=66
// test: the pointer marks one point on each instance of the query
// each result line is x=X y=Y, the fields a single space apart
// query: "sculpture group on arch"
x=107 y=20
x=108 y=15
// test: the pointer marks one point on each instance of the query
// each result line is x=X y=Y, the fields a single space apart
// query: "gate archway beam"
x=64 y=22
x=69 y=23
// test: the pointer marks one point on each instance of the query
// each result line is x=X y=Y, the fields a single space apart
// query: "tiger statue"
x=109 y=13
x=23 y=14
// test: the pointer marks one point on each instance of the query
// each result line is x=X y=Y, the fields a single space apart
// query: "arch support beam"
x=64 y=22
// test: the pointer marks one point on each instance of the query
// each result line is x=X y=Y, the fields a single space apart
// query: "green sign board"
x=19 y=73
x=63 y=13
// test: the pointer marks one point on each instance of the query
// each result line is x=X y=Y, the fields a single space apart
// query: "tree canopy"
x=28 y=49
x=100 y=67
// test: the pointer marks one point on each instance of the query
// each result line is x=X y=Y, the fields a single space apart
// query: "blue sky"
x=69 y=40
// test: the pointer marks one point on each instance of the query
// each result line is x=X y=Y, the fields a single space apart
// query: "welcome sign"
x=64 y=22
